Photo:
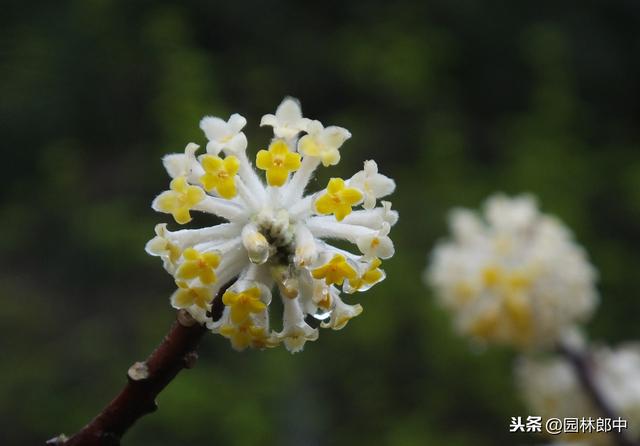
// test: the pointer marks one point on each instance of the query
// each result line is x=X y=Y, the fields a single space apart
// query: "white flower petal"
x=288 y=120
x=237 y=122
x=214 y=128
x=269 y=120
x=289 y=111
x=377 y=245
x=224 y=134
x=334 y=136
x=183 y=164
x=372 y=184
x=341 y=314
x=237 y=144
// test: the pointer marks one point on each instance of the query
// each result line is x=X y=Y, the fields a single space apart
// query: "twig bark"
x=583 y=365
x=145 y=380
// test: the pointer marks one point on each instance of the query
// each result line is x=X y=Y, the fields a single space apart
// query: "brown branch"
x=582 y=363
x=145 y=380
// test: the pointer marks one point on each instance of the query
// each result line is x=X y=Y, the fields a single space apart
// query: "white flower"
x=373 y=184
x=341 y=314
x=296 y=331
x=618 y=376
x=323 y=143
x=551 y=388
x=275 y=237
x=160 y=246
x=378 y=244
x=288 y=120
x=184 y=164
x=516 y=277
x=224 y=134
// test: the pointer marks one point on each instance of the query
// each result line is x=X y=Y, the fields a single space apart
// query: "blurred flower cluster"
x=275 y=235
x=515 y=276
x=512 y=275
x=551 y=389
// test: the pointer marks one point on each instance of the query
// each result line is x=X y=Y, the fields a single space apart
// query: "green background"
x=454 y=99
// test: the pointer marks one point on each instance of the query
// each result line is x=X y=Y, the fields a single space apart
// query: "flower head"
x=275 y=237
x=514 y=277
x=551 y=388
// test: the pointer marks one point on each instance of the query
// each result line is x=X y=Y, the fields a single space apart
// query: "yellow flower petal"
x=335 y=271
x=198 y=265
x=180 y=199
x=278 y=162
x=308 y=146
x=338 y=199
x=277 y=177
x=220 y=174
x=243 y=304
x=183 y=298
x=292 y=161
x=212 y=259
x=263 y=160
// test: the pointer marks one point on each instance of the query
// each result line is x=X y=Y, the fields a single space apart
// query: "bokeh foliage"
x=454 y=99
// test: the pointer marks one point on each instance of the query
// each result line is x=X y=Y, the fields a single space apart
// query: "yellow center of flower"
x=278 y=162
x=325 y=303
x=243 y=304
x=511 y=288
x=201 y=265
x=180 y=199
x=335 y=271
x=220 y=174
x=371 y=276
x=338 y=199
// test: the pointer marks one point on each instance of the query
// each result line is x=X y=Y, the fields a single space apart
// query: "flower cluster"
x=275 y=235
x=512 y=276
x=551 y=389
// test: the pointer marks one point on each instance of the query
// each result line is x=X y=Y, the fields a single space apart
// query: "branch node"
x=185 y=319
x=145 y=381
x=138 y=371
x=190 y=359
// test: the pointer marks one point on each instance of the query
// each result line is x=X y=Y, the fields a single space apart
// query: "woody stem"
x=582 y=364
x=145 y=380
